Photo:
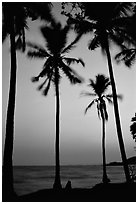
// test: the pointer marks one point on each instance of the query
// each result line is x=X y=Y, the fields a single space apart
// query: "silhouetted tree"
x=108 y=22
x=14 y=23
x=99 y=87
x=133 y=127
x=55 y=61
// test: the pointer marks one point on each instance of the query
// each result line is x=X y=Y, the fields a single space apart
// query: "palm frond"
x=123 y=9
x=35 y=79
x=71 y=74
x=38 y=48
x=87 y=94
x=47 y=71
x=82 y=62
x=69 y=61
x=73 y=79
x=81 y=26
x=90 y=104
x=125 y=29
x=36 y=54
x=72 y=44
x=94 y=43
x=109 y=99
x=128 y=56
x=42 y=85
x=110 y=96
x=45 y=91
x=64 y=36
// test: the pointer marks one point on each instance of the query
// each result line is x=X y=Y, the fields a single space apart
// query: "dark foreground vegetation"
x=111 y=192
x=131 y=160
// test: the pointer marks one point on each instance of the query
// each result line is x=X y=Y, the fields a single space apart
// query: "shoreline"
x=111 y=192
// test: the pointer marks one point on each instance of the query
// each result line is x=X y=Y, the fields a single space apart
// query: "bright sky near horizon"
x=80 y=135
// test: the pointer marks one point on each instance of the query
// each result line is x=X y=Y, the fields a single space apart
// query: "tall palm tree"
x=108 y=23
x=55 y=62
x=99 y=87
x=14 y=23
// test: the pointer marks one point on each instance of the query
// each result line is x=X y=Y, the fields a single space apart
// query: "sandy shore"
x=112 y=192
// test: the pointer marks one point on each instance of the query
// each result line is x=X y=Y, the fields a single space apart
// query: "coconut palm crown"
x=54 y=53
x=99 y=86
x=18 y=11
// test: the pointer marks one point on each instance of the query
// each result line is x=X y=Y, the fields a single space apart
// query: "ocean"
x=29 y=179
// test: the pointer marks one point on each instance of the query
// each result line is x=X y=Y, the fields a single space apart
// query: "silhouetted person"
x=68 y=186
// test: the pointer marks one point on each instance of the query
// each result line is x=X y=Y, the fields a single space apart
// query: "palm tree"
x=100 y=86
x=14 y=23
x=55 y=62
x=108 y=23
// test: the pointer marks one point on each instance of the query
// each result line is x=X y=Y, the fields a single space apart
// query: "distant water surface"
x=28 y=179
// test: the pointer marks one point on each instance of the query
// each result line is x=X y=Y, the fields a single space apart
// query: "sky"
x=80 y=135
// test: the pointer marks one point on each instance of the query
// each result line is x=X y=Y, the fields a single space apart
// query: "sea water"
x=28 y=179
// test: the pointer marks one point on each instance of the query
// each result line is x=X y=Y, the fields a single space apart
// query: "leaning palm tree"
x=99 y=87
x=14 y=23
x=108 y=22
x=55 y=62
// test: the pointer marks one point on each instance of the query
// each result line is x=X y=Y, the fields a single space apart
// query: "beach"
x=114 y=192
x=35 y=184
x=29 y=179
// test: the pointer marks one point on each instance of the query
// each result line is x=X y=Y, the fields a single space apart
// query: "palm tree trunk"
x=57 y=183
x=116 y=110
x=8 y=190
x=105 y=179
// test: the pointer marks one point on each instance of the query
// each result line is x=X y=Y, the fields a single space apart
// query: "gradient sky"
x=80 y=135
